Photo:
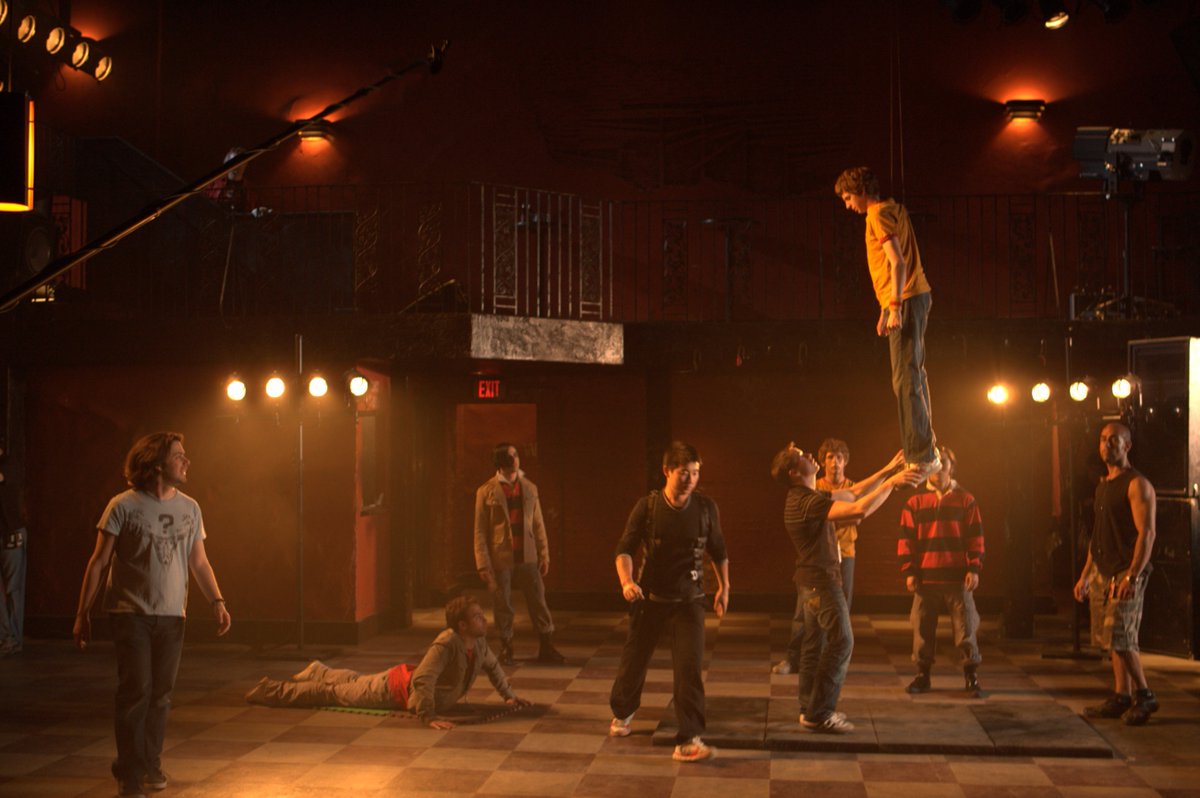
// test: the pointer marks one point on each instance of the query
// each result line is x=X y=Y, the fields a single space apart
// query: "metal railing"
x=525 y=252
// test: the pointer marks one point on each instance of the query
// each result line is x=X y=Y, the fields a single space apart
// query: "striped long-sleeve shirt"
x=941 y=536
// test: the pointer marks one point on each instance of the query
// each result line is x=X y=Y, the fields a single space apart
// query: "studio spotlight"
x=276 y=387
x=998 y=394
x=235 y=389
x=55 y=39
x=27 y=28
x=357 y=383
x=1054 y=14
x=1079 y=390
x=317 y=386
x=1040 y=393
x=1124 y=387
x=102 y=67
x=79 y=54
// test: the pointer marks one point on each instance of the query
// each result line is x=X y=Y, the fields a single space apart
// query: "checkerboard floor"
x=56 y=710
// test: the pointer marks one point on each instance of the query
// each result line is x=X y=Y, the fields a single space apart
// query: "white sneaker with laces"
x=834 y=724
x=620 y=727
x=693 y=751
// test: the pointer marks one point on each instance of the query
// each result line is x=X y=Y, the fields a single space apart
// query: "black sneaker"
x=1145 y=704
x=972 y=684
x=1116 y=706
x=919 y=684
x=130 y=788
x=156 y=780
x=506 y=654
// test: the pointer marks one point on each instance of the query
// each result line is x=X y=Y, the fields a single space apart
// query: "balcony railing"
x=518 y=251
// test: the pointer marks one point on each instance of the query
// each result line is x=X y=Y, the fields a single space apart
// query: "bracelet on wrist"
x=217 y=601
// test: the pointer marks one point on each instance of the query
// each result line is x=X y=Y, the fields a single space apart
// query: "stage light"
x=102 y=68
x=235 y=389
x=16 y=152
x=1054 y=14
x=1126 y=386
x=1040 y=393
x=55 y=39
x=3 y=11
x=358 y=384
x=1079 y=390
x=998 y=394
x=276 y=387
x=317 y=386
x=26 y=28
x=79 y=54
x=1024 y=109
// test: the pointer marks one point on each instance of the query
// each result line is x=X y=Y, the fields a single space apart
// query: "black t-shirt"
x=806 y=519
x=671 y=541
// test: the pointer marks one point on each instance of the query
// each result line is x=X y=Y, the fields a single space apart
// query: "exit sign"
x=487 y=388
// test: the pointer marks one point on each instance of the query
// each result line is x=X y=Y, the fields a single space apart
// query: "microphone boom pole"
x=11 y=298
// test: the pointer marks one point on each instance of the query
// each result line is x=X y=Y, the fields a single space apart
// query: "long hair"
x=147 y=456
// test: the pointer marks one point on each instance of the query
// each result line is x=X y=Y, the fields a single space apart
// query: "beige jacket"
x=493 y=532
x=442 y=677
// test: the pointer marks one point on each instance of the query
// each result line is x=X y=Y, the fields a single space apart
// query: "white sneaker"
x=834 y=724
x=620 y=727
x=783 y=667
x=693 y=751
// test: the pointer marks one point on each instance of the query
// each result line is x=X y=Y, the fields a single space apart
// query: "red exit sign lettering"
x=487 y=389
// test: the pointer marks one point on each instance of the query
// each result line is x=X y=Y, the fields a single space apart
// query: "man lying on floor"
x=444 y=676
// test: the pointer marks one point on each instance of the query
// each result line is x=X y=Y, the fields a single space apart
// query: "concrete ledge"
x=901 y=727
x=547 y=340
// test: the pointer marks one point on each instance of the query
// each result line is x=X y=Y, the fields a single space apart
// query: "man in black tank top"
x=1114 y=577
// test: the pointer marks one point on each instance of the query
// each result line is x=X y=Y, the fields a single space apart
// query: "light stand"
x=1076 y=652
x=1116 y=154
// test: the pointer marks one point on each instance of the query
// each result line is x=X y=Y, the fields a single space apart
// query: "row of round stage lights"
x=1122 y=388
x=61 y=41
x=275 y=387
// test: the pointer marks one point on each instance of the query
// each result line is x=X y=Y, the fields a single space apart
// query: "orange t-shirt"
x=887 y=220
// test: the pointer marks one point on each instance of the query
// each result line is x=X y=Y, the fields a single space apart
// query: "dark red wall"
x=626 y=99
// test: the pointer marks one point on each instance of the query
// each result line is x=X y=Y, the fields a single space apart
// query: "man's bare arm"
x=857 y=510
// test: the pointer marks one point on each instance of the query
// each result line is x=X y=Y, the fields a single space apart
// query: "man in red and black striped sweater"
x=941 y=557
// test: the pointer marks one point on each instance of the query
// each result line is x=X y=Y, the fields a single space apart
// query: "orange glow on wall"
x=16 y=152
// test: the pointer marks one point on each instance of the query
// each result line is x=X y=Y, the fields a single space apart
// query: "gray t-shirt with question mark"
x=149 y=573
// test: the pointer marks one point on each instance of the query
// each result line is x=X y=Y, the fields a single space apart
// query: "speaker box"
x=1166 y=437
x=1170 y=615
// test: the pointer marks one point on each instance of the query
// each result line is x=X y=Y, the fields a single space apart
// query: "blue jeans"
x=148 y=648
x=828 y=643
x=909 y=382
x=796 y=642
